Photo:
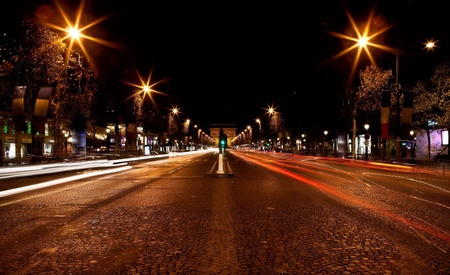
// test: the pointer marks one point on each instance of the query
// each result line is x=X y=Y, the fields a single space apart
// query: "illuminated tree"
x=373 y=82
x=431 y=107
x=440 y=82
x=367 y=97
x=37 y=60
x=33 y=59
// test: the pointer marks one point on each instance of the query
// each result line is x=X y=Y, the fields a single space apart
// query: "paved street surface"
x=174 y=217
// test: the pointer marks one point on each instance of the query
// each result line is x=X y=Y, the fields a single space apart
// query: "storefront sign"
x=10 y=139
x=26 y=140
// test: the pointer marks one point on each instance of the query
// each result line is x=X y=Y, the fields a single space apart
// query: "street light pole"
x=108 y=142
x=412 y=145
x=398 y=153
x=66 y=136
x=303 y=142
x=366 y=141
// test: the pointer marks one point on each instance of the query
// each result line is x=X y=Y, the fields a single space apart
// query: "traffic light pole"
x=220 y=165
x=222 y=144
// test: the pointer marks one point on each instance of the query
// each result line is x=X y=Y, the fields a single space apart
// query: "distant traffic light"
x=222 y=142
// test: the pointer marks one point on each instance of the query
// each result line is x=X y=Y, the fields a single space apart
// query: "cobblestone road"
x=172 y=218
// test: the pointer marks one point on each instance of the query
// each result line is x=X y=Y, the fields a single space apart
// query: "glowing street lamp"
x=147 y=87
x=76 y=31
x=259 y=123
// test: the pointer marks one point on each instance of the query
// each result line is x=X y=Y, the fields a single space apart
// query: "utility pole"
x=398 y=130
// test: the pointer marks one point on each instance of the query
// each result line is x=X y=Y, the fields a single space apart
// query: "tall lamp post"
x=303 y=144
x=366 y=140
x=412 y=145
x=66 y=135
x=186 y=132
x=259 y=135
x=108 y=141
x=398 y=154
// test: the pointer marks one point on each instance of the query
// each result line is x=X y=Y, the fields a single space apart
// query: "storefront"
x=9 y=147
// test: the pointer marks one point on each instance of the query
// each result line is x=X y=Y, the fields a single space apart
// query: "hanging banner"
x=407 y=114
x=385 y=112
x=41 y=109
x=18 y=109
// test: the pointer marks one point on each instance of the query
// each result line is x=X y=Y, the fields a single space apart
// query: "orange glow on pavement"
x=274 y=166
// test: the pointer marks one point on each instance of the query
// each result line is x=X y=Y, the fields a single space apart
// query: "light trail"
x=414 y=224
x=59 y=181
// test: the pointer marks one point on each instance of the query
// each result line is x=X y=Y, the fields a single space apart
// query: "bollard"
x=220 y=165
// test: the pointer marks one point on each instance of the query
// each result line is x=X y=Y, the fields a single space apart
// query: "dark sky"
x=228 y=60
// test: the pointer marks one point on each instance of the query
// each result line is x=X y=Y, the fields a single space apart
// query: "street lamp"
x=186 y=132
x=108 y=142
x=366 y=141
x=303 y=142
x=259 y=123
x=66 y=135
x=325 y=142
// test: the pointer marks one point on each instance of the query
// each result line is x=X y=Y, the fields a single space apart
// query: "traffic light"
x=222 y=142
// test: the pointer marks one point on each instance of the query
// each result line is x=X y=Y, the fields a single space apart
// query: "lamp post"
x=108 y=142
x=196 y=137
x=66 y=135
x=186 y=132
x=259 y=123
x=259 y=135
x=398 y=154
x=303 y=143
x=325 y=142
x=412 y=144
x=366 y=140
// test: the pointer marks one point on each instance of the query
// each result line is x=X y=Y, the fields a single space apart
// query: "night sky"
x=228 y=61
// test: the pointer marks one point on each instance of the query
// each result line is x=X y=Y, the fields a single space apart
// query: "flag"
x=18 y=111
x=407 y=114
x=385 y=111
x=40 y=109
